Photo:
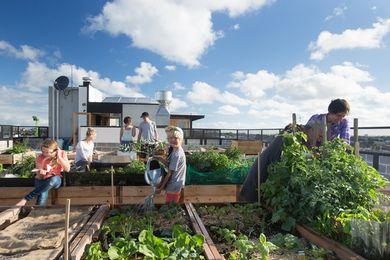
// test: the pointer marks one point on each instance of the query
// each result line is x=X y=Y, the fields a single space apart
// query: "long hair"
x=50 y=144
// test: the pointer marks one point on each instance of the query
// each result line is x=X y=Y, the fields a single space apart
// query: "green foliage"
x=317 y=187
x=95 y=252
x=18 y=148
x=265 y=247
x=209 y=161
x=24 y=167
x=122 y=248
x=233 y=153
x=1 y=167
x=134 y=167
x=287 y=241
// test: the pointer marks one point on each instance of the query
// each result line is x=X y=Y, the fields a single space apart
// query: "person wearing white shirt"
x=84 y=149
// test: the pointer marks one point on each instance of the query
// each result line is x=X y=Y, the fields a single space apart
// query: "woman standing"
x=49 y=166
x=128 y=131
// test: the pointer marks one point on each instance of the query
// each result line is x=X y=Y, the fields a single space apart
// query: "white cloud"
x=144 y=74
x=38 y=76
x=180 y=31
x=25 y=52
x=170 y=67
x=178 y=86
x=177 y=104
x=228 y=110
x=338 y=11
x=373 y=8
x=253 y=85
x=203 y=93
x=236 y=27
x=349 y=39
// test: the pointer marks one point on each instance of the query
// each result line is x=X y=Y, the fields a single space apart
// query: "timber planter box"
x=13 y=158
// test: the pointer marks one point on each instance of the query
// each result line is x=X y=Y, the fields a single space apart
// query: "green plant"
x=209 y=161
x=1 y=167
x=264 y=246
x=134 y=167
x=18 y=148
x=122 y=248
x=317 y=187
x=127 y=147
x=233 y=153
x=24 y=167
x=95 y=252
x=225 y=234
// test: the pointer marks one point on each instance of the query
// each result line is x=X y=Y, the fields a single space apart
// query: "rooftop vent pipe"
x=86 y=81
x=164 y=97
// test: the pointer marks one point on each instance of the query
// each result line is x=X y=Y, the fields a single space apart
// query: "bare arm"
x=63 y=160
x=134 y=131
x=164 y=182
x=139 y=134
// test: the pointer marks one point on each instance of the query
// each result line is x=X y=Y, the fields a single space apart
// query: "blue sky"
x=243 y=64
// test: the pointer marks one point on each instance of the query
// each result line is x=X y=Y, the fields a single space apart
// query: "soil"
x=41 y=232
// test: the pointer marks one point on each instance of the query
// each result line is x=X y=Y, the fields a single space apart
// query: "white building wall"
x=83 y=101
x=135 y=111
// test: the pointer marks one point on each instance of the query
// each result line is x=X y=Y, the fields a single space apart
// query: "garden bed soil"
x=41 y=233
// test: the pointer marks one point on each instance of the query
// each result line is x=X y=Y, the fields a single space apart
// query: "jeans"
x=42 y=188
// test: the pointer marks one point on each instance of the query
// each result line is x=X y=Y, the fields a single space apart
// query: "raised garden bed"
x=243 y=231
x=135 y=232
x=14 y=158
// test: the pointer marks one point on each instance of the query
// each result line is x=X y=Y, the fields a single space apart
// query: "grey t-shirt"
x=177 y=163
x=148 y=130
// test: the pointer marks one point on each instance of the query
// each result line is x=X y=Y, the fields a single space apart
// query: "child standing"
x=174 y=181
x=49 y=165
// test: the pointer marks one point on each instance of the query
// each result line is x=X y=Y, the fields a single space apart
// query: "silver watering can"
x=154 y=176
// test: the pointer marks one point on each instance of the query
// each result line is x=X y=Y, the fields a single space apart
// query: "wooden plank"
x=139 y=191
x=209 y=190
x=14 y=158
x=341 y=251
x=207 y=251
x=7 y=217
x=205 y=233
x=159 y=199
x=85 y=201
x=84 y=191
x=248 y=146
x=14 y=192
x=77 y=247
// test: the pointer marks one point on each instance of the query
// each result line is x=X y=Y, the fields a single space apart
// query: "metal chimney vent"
x=164 y=97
